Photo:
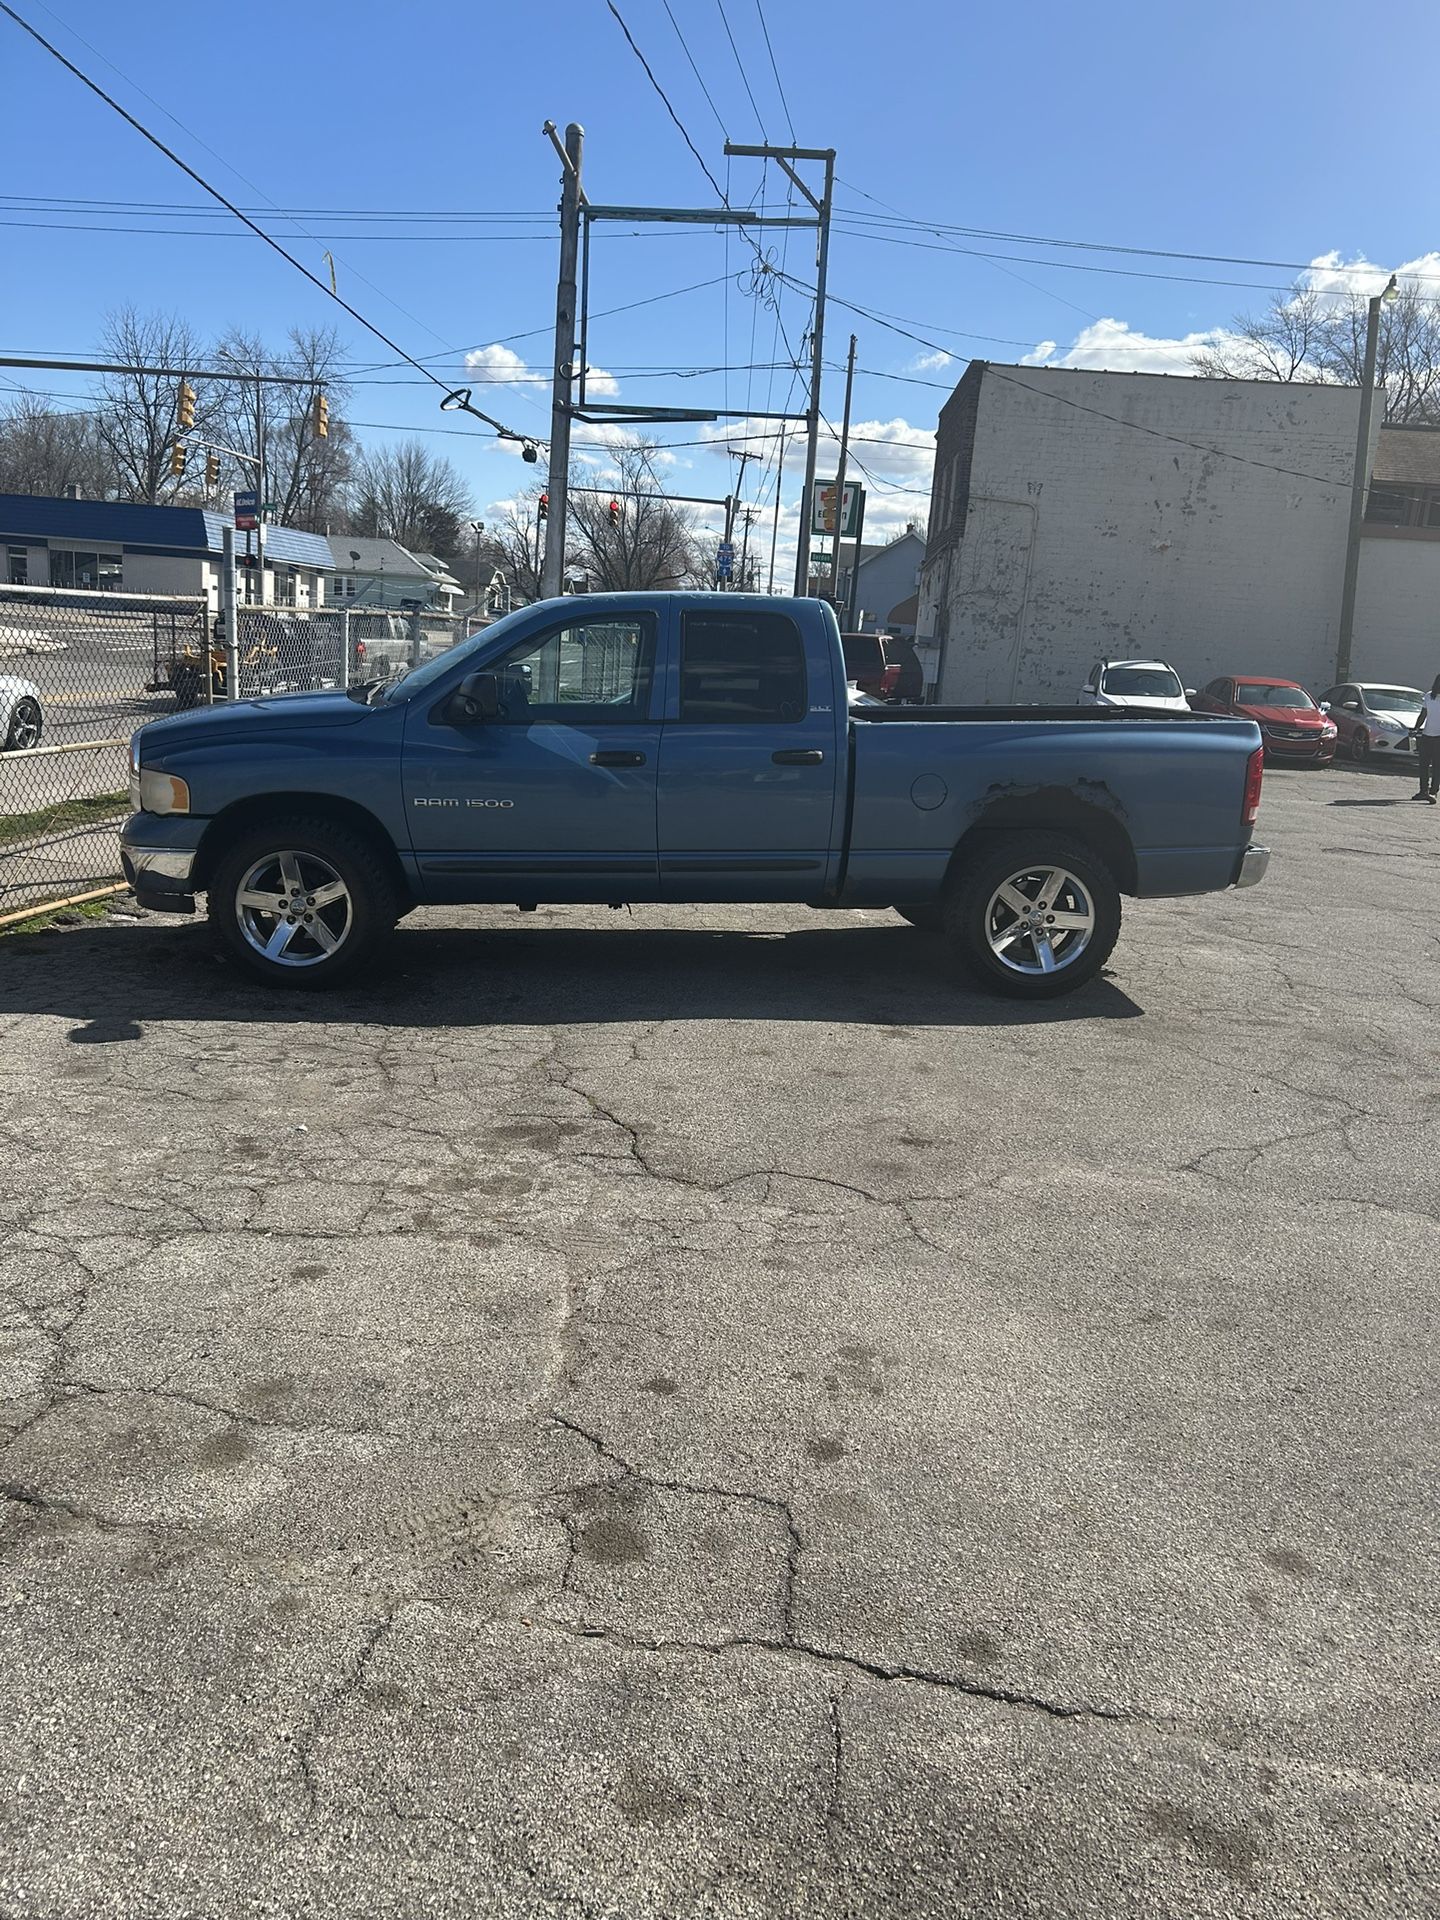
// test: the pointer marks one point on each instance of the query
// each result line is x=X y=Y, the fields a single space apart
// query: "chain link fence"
x=79 y=672
x=281 y=650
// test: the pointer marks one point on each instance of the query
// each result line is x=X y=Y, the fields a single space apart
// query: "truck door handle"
x=799 y=757
x=617 y=757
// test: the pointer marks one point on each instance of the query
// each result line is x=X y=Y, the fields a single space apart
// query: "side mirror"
x=1190 y=694
x=476 y=698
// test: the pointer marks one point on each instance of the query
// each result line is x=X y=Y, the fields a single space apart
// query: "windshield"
x=1143 y=683
x=1259 y=693
x=415 y=679
x=1393 y=699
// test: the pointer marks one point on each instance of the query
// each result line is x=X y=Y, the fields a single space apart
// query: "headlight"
x=159 y=792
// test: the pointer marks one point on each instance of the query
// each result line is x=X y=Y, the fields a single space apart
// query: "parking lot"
x=694 y=1413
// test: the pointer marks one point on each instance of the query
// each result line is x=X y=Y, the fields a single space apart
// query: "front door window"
x=588 y=674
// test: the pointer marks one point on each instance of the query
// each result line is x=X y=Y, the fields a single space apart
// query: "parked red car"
x=1291 y=725
x=882 y=666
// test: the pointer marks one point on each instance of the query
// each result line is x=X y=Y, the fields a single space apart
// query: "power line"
x=665 y=100
x=215 y=193
x=1104 y=246
x=1066 y=266
x=191 y=134
x=779 y=83
x=684 y=45
x=744 y=77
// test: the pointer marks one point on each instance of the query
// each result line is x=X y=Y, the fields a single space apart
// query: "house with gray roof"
x=379 y=572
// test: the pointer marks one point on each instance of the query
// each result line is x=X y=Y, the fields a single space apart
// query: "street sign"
x=246 y=511
x=725 y=559
x=822 y=509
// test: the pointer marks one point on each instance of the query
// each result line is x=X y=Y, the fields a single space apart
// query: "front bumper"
x=160 y=872
x=1253 y=864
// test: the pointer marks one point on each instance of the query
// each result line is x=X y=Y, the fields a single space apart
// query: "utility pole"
x=775 y=524
x=552 y=579
x=747 y=514
x=733 y=502
x=855 y=570
x=782 y=156
x=477 y=527
x=1359 y=481
x=840 y=483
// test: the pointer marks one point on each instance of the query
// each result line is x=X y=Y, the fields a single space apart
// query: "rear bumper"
x=1254 y=862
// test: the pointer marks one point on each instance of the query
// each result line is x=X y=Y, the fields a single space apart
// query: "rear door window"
x=742 y=669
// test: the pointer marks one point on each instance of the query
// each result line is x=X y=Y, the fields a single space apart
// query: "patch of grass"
x=92 y=811
x=63 y=916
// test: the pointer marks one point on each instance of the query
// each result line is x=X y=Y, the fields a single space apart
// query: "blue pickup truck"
x=680 y=747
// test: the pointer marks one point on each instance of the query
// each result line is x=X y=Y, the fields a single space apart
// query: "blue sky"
x=1233 y=129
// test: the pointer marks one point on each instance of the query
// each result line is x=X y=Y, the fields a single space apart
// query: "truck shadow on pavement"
x=114 y=978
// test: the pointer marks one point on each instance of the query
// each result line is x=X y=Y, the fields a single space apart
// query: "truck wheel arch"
x=1062 y=811
x=252 y=811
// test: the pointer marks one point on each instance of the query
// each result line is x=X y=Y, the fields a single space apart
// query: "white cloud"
x=500 y=366
x=932 y=362
x=592 y=442
x=1117 y=346
x=1330 y=273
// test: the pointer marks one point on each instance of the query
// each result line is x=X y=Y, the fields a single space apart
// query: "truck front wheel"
x=1033 y=915
x=301 y=903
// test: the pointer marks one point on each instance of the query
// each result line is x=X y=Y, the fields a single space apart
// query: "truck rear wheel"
x=1033 y=915
x=301 y=903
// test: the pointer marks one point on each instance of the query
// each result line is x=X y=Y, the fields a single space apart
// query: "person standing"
x=1427 y=743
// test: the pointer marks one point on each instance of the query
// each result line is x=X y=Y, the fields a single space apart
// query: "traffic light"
x=322 y=417
x=212 y=469
x=177 y=458
x=185 y=413
x=614 y=512
x=542 y=506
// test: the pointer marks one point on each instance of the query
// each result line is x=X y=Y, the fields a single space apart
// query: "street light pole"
x=1360 y=481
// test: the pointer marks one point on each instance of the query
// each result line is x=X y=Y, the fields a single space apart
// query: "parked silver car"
x=22 y=718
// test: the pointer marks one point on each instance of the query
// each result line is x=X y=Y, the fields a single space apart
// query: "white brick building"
x=1076 y=514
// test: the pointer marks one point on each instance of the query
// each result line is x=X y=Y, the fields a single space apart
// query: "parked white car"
x=22 y=718
x=1153 y=684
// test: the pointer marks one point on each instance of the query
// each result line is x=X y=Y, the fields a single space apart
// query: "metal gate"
x=79 y=672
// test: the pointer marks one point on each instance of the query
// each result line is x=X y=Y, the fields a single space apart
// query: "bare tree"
x=138 y=414
x=647 y=543
x=44 y=451
x=305 y=476
x=411 y=494
x=520 y=537
x=1310 y=335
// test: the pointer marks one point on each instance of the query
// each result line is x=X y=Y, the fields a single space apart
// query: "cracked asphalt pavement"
x=695 y=1414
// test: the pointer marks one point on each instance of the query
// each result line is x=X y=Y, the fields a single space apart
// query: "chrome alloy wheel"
x=1039 y=920
x=294 y=909
x=26 y=725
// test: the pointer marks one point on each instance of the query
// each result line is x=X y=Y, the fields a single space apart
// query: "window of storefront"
x=85 y=570
x=17 y=570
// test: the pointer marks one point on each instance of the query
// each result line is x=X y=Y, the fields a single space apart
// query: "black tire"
x=927 y=916
x=27 y=725
x=975 y=918
x=358 y=924
x=187 y=689
x=1360 y=746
